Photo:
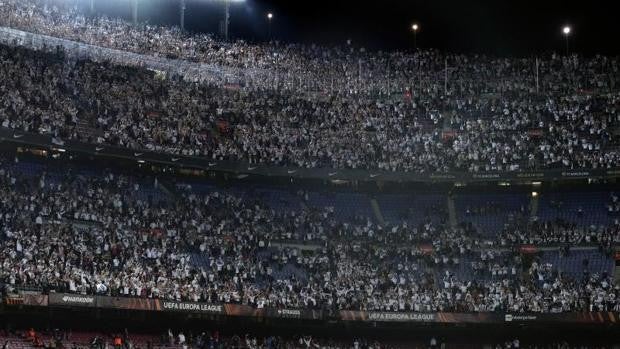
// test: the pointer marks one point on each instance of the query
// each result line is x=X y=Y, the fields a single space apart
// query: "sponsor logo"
x=197 y=307
x=331 y=174
x=486 y=175
x=373 y=175
x=441 y=176
x=289 y=312
x=422 y=317
x=78 y=299
x=17 y=136
x=291 y=171
x=575 y=174
x=211 y=164
x=174 y=159
x=511 y=317
x=98 y=148
x=138 y=154
x=530 y=175
x=252 y=168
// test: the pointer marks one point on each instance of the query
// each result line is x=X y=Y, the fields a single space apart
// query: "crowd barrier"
x=67 y=300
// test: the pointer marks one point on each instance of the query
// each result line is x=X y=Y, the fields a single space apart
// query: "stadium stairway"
x=377 y=211
x=169 y=188
x=617 y=266
x=452 y=212
x=534 y=206
x=303 y=205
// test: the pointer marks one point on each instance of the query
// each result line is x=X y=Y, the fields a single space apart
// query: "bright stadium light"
x=415 y=27
x=566 y=30
x=269 y=19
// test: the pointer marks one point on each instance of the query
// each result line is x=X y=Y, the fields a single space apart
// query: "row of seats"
x=488 y=212
x=579 y=262
x=586 y=208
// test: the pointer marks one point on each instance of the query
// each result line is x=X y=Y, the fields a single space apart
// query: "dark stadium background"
x=487 y=26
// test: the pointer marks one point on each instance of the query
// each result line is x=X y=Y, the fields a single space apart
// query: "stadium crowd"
x=68 y=232
x=214 y=339
x=347 y=69
x=132 y=108
x=559 y=232
x=56 y=339
x=489 y=118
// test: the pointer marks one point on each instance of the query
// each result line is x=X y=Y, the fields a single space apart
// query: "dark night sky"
x=501 y=27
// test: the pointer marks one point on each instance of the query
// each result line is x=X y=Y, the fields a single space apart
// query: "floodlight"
x=566 y=30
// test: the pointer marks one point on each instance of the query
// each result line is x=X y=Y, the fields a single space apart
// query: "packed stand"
x=138 y=109
x=342 y=70
x=64 y=230
x=214 y=339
